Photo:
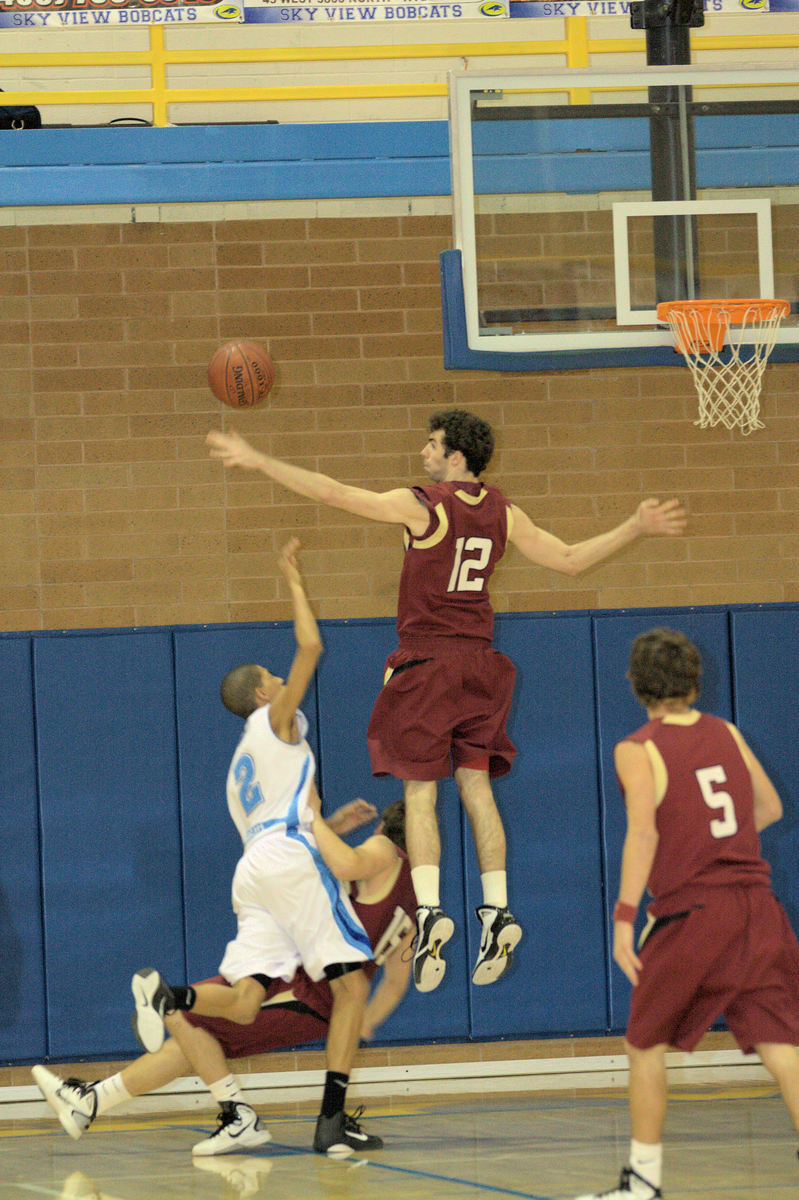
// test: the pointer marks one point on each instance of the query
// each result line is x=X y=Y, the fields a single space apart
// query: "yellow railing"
x=576 y=48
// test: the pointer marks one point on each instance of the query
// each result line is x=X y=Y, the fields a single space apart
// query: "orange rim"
x=715 y=315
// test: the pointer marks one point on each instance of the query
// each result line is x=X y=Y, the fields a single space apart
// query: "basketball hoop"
x=728 y=383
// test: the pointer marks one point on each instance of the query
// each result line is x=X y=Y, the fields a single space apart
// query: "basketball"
x=240 y=374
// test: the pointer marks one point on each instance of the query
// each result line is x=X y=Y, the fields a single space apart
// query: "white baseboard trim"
x=581 y=1073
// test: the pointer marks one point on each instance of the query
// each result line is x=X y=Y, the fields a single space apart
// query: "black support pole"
x=671 y=142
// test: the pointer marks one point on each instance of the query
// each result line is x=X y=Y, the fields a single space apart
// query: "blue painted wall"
x=116 y=849
x=205 y=163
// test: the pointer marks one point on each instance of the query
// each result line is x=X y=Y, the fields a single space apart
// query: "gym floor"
x=721 y=1144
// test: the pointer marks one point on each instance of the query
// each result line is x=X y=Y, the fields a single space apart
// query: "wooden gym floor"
x=721 y=1144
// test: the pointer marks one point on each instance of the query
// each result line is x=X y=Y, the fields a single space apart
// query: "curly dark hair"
x=237 y=689
x=664 y=665
x=465 y=432
x=393 y=821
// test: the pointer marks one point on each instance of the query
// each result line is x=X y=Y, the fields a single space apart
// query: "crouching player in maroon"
x=717 y=940
x=290 y=1014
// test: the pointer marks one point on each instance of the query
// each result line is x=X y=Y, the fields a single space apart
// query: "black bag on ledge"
x=19 y=116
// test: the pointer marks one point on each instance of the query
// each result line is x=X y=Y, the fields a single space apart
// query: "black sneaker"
x=632 y=1186
x=434 y=928
x=339 y=1135
x=238 y=1129
x=501 y=933
x=154 y=997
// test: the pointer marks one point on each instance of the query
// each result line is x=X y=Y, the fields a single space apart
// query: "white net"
x=728 y=378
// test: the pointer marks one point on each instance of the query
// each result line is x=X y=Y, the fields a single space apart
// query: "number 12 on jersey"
x=466 y=572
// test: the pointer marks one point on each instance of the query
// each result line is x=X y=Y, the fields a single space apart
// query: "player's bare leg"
x=423 y=842
x=338 y=1134
x=782 y=1061
x=501 y=932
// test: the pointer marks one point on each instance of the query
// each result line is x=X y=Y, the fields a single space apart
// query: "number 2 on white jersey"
x=465 y=575
x=727 y=824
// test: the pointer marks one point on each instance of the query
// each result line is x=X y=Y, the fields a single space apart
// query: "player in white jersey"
x=290 y=908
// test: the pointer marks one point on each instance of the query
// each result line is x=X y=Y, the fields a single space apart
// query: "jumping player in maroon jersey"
x=717 y=939
x=290 y=1014
x=446 y=693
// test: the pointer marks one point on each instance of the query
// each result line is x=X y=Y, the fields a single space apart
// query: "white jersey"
x=269 y=780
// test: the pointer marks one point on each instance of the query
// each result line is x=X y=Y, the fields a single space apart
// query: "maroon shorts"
x=733 y=954
x=278 y=1026
x=441 y=709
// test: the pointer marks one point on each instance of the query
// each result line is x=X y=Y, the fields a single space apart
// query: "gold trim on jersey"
x=468 y=498
x=436 y=536
x=659 y=772
x=682 y=718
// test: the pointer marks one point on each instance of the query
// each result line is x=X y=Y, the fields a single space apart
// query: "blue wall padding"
x=618 y=713
x=207 y=737
x=765 y=656
x=23 y=1028
x=550 y=806
x=350 y=676
x=117 y=748
x=111 y=863
x=380 y=158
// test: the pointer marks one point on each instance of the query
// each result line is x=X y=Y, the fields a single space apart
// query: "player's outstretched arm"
x=652 y=518
x=309 y=647
x=347 y=862
x=399 y=506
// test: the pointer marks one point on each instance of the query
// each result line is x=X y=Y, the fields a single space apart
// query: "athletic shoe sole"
x=428 y=966
x=489 y=970
x=148 y=1024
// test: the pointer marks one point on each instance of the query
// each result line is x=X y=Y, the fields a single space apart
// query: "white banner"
x=67 y=14
x=324 y=12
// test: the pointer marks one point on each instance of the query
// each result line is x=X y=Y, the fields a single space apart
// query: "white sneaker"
x=501 y=934
x=73 y=1101
x=242 y=1175
x=153 y=997
x=632 y=1186
x=238 y=1129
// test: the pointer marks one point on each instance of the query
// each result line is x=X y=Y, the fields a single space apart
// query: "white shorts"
x=291 y=910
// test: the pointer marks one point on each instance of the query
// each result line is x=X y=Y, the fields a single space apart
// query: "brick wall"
x=113 y=514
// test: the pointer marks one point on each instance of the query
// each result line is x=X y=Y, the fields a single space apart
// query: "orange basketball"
x=240 y=374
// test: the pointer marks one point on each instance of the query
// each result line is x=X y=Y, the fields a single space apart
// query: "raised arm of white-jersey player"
x=651 y=518
x=767 y=803
x=347 y=862
x=284 y=705
x=397 y=507
x=392 y=987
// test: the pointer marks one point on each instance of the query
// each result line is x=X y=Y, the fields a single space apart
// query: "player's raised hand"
x=352 y=816
x=666 y=517
x=288 y=561
x=232 y=449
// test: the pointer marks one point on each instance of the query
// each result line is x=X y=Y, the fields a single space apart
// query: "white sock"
x=425 y=884
x=647 y=1160
x=110 y=1093
x=226 y=1089
x=495 y=888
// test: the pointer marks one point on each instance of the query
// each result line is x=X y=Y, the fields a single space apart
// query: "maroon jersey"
x=387 y=921
x=443 y=589
x=705 y=819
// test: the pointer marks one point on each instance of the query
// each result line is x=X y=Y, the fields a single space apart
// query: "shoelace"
x=85 y=1091
x=351 y=1120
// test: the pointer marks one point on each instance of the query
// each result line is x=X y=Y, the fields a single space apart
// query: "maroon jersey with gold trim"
x=443 y=589
x=705 y=820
